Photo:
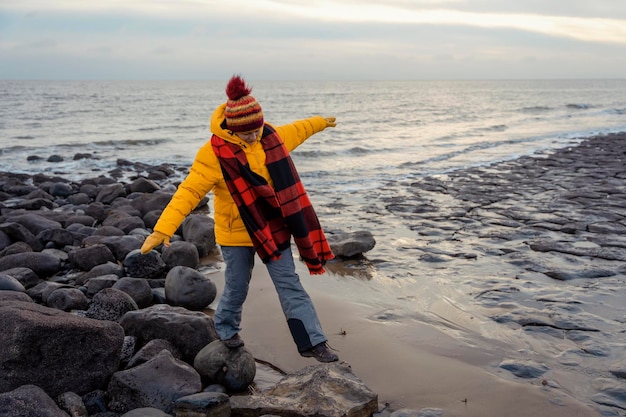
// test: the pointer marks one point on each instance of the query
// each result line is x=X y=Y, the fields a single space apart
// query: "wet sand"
x=405 y=374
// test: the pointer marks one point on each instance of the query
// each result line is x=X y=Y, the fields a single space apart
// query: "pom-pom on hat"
x=243 y=113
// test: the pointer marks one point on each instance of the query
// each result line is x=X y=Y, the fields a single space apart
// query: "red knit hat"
x=243 y=113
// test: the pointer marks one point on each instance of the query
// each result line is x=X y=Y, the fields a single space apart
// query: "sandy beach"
x=430 y=371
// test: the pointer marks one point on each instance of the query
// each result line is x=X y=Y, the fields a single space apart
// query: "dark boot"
x=321 y=353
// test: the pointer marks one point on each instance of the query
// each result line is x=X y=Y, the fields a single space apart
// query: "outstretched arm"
x=296 y=133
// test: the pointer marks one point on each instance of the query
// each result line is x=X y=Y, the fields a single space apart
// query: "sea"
x=388 y=134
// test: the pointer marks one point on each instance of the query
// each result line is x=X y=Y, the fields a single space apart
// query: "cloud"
x=309 y=39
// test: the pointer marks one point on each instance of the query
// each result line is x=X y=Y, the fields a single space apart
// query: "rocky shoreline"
x=539 y=240
x=541 y=244
x=94 y=328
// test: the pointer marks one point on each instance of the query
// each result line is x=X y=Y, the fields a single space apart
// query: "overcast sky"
x=311 y=39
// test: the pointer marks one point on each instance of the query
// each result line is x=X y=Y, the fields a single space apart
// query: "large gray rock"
x=110 y=304
x=199 y=229
x=233 y=368
x=42 y=264
x=56 y=351
x=189 y=331
x=329 y=390
x=67 y=299
x=351 y=244
x=181 y=253
x=152 y=349
x=88 y=257
x=156 y=383
x=149 y=265
x=210 y=404
x=29 y=401
x=186 y=287
x=137 y=288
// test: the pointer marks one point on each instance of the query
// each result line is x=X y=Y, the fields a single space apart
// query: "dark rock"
x=321 y=390
x=199 y=229
x=144 y=185
x=137 y=288
x=60 y=189
x=90 y=256
x=181 y=253
x=72 y=403
x=108 y=193
x=212 y=404
x=57 y=351
x=36 y=223
x=20 y=233
x=186 y=287
x=9 y=283
x=67 y=299
x=42 y=264
x=189 y=331
x=14 y=296
x=108 y=268
x=351 y=244
x=156 y=383
x=149 y=266
x=25 y=276
x=233 y=368
x=110 y=304
x=152 y=349
x=59 y=237
x=150 y=202
x=29 y=401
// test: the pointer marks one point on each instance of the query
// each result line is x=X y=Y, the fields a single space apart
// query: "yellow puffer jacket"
x=206 y=175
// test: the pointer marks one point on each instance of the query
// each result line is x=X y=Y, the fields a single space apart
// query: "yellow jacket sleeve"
x=203 y=175
x=294 y=134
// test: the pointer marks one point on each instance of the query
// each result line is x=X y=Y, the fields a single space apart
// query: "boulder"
x=110 y=304
x=214 y=404
x=199 y=229
x=42 y=264
x=150 y=350
x=156 y=383
x=67 y=299
x=329 y=390
x=347 y=245
x=149 y=266
x=138 y=289
x=181 y=253
x=56 y=351
x=29 y=401
x=233 y=368
x=189 y=331
x=186 y=287
x=88 y=257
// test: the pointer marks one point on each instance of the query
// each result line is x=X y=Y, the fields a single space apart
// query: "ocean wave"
x=578 y=106
x=313 y=154
x=23 y=137
x=535 y=109
x=494 y=128
x=173 y=127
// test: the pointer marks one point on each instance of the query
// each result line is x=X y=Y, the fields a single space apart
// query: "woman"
x=260 y=204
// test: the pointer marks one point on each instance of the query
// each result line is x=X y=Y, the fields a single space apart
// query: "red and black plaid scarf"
x=273 y=215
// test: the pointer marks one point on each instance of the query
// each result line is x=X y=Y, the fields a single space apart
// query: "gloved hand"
x=330 y=121
x=154 y=240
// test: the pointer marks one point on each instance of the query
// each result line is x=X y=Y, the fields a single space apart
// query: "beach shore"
x=533 y=249
x=431 y=371
x=538 y=240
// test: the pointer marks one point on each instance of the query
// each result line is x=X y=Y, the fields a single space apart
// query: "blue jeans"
x=295 y=301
